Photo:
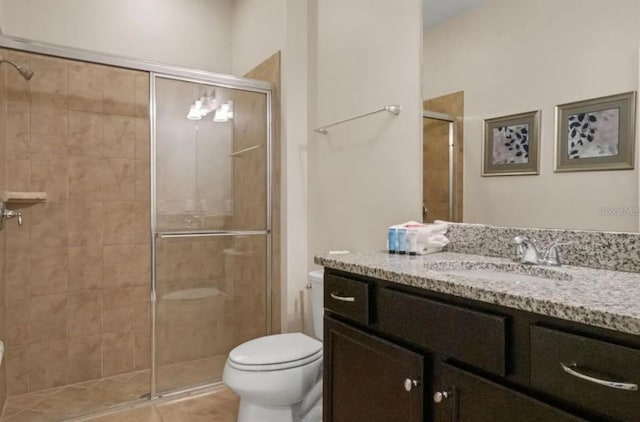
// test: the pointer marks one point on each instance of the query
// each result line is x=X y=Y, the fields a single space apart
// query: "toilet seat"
x=276 y=366
x=275 y=353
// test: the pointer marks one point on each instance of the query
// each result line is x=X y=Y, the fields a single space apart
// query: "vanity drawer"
x=472 y=337
x=347 y=297
x=575 y=368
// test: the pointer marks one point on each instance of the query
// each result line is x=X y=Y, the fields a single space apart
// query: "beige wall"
x=513 y=56
x=258 y=30
x=77 y=278
x=365 y=175
x=191 y=33
x=297 y=77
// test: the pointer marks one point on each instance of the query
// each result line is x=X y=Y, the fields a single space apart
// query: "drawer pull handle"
x=571 y=370
x=336 y=296
x=409 y=384
x=438 y=396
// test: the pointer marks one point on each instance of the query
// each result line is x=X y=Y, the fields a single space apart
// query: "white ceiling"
x=436 y=11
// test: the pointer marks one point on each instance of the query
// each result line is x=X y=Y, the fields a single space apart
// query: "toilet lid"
x=276 y=349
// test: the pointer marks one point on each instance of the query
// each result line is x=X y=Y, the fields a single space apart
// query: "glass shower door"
x=211 y=231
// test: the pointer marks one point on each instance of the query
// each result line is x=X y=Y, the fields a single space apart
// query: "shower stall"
x=151 y=257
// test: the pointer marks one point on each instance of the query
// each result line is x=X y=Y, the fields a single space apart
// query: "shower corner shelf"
x=25 y=198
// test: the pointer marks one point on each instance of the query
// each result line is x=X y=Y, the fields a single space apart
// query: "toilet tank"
x=317 y=301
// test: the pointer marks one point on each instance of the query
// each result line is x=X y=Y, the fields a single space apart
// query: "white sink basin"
x=493 y=271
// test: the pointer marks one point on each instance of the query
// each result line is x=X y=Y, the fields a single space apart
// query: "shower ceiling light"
x=224 y=113
x=194 y=113
x=220 y=116
x=209 y=104
x=228 y=108
x=202 y=106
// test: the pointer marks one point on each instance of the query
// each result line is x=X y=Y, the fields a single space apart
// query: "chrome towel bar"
x=233 y=154
x=393 y=109
x=209 y=233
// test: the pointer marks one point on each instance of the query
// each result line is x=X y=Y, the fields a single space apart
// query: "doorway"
x=443 y=119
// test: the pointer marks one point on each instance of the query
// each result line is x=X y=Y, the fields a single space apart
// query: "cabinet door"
x=369 y=379
x=470 y=398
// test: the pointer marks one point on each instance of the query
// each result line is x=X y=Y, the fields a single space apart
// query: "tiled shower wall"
x=214 y=324
x=77 y=272
x=269 y=71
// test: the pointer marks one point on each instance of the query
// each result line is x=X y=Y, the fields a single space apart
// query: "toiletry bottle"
x=392 y=240
x=412 y=241
x=402 y=241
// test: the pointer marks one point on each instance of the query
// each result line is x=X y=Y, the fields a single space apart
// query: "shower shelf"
x=22 y=197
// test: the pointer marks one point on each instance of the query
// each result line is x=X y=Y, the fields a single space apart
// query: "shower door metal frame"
x=189 y=75
x=451 y=120
x=153 y=76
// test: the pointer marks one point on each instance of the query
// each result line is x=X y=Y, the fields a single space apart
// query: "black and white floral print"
x=594 y=134
x=511 y=144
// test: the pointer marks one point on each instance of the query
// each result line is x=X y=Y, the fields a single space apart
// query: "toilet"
x=279 y=377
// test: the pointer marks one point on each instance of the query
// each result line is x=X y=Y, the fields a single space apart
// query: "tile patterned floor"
x=219 y=406
x=58 y=404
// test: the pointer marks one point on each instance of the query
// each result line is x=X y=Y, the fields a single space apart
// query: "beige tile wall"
x=78 y=271
x=269 y=71
x=193 y=328
x=212 y=325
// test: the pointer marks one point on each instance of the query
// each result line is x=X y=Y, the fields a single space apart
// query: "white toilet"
x=279 y=377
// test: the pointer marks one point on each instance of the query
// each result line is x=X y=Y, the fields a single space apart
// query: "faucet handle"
x=7 y=214
x=526 y=250
x=518 y=240
x=551 y=255
x=521 y=239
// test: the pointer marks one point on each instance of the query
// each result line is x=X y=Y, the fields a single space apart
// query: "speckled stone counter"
x=616 y=251
x=602 y=298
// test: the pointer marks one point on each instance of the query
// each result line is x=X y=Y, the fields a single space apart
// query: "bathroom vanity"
x=459 y=337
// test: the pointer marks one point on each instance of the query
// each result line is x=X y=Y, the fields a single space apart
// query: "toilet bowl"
x=279 y=377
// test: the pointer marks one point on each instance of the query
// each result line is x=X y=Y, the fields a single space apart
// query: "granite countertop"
x=602 y=298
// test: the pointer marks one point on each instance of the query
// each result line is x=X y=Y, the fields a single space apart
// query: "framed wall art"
x=511 y=145
x=596 y=134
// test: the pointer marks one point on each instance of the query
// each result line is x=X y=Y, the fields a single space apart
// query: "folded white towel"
x=432 y=244
x=431 y=237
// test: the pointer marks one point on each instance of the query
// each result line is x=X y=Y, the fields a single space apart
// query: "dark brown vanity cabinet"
x=398 y=353
x=465 y=397
x=369 y=379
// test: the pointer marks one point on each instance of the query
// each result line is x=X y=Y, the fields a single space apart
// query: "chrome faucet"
x=527 y=251
x=7 y=214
